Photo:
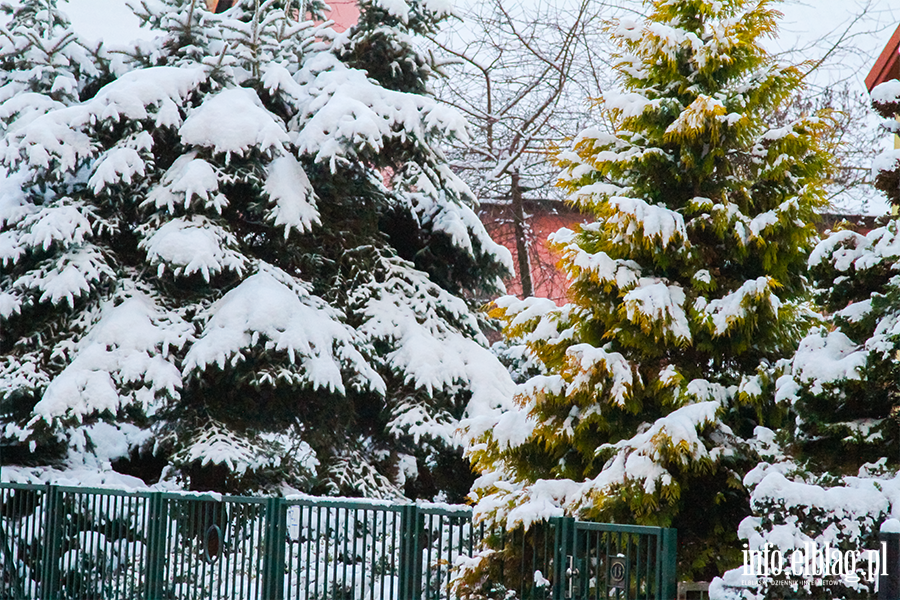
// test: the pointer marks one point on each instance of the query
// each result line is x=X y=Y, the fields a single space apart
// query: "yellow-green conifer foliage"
x=686 y=291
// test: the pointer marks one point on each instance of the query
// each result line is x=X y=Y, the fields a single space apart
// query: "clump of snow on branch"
x=287 y=319
x=127 y=356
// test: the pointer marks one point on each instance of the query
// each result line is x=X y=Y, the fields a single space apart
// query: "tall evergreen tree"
x=831 y=476
x=241 y=265
x=686 y=292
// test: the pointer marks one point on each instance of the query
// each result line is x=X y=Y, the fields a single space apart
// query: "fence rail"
x=73 y=543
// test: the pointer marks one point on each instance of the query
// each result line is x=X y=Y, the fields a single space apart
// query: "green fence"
x=68 y=543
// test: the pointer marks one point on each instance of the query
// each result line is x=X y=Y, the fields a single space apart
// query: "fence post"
x=889 y=577
x=410 y=575
x=668 y=579
x=156 y=545
x=563 y=557
x=273 y=560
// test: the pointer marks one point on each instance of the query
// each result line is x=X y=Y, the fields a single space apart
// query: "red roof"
x=888 y=64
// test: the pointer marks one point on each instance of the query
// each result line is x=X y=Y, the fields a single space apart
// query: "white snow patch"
x=886 y=93
x=233 y=121
x=733 y=307
x=131 y=343
x=890 y=526
x=655 y=301
x=187 y=178
x=827 y=357
x=289 y=189
x=193 y=245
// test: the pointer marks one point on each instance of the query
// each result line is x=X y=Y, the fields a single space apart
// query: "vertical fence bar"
x=668 y=581
x=336 y=538
x=368 y=534
x=637 y=567
x=311 y=539
x=273 y=560
x=344 y=552
x=410 y=567
x=384 y=556
x=353 y=555
x=563 y=534
x=581 y=550
x=628 y=566
x=404 y=591
x=9 y=560
x=155 y=528
x=53 y=535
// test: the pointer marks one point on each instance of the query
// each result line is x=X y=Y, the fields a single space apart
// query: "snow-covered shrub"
x=810 y=513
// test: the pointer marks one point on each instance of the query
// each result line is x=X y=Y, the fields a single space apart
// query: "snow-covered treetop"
x=43 y=62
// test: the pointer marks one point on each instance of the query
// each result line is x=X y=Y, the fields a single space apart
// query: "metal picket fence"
x=73 y=543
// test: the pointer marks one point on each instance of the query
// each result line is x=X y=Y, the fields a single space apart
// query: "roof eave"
x=888 y=64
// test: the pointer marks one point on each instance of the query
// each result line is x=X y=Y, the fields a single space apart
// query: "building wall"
x=344 y=13
x=541 y=221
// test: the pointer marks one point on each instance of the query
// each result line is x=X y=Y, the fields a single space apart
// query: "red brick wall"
x=547 y=279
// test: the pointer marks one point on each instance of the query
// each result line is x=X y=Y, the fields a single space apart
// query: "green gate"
x=625 y=562
x=74 y=543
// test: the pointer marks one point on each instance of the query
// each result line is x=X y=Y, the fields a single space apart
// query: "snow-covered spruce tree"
x=831 y=476
x=206 y=273
x=686 y=291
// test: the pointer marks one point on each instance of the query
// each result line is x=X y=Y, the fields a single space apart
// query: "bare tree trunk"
x=521 y=243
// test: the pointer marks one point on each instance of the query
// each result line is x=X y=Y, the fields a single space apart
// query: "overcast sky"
x=809 y=29
x=809 y=24
x=817 y=24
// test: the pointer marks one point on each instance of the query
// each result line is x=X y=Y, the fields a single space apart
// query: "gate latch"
x=571 y=574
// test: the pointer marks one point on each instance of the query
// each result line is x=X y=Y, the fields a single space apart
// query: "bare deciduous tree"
x=522 y=73
x=837 y=61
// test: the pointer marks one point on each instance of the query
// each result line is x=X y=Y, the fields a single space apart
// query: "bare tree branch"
x=523 y=74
